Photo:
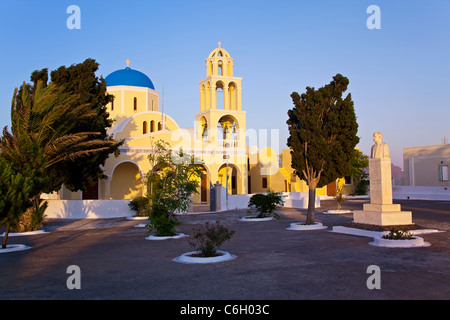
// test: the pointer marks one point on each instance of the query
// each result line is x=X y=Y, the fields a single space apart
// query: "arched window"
x=144 y=127
x=112 y=105
x=220 y=98
x=220 y=68
x=135 y=104
x=152 y=126
x=159 y=126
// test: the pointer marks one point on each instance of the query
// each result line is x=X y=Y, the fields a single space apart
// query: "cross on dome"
x=128 y=63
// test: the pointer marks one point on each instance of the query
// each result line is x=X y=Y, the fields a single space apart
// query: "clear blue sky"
x=399 y=74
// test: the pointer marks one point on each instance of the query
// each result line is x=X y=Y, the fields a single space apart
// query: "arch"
x=144 y=127
x=232 y=95
x=202 y=98
x=208 y=96
x=234 y=177
x=220 y=95
x=126 y=182
x=204 y=129
x=227 y=131
x=229 y=69
x=220 y=68
x=152 y=126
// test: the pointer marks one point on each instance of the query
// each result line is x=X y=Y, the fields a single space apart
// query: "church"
x=219 y=138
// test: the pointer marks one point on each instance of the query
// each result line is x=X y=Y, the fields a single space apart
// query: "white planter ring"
x=404 y=243
x=337 y=211
x=189 y=259
x=137 y=218
x=27 y=233
x=303 y=226
x=14 y=247
x=256 y=219
x=177 y=236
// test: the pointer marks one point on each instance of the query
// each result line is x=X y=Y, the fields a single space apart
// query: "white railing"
x=228 y=143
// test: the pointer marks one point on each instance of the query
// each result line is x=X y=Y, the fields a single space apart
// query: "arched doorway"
x=228 y=175
x=126 y=181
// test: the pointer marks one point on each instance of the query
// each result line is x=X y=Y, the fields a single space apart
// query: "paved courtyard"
x=117 y=262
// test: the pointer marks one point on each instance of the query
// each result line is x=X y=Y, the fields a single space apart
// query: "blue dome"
x=129 y=77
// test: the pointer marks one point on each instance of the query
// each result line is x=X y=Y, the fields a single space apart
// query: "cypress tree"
x=322 y=127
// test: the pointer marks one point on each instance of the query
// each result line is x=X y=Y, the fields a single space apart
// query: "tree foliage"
x=88 y=114
x=322 y=127
x=173 y=178
x=58 y=130
x=15 y=191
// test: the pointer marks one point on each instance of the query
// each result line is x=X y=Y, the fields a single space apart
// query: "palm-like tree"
x=43 y=133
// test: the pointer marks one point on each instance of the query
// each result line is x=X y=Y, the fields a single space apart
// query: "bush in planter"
x=174 y=177
x=266 y=204
x=209 y=237
x=162 y=221
x=398 y=235
x=139 y=205
x=339 y=197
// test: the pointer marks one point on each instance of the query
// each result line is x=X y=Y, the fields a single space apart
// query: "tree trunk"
x=311 y=205
x=5 y=237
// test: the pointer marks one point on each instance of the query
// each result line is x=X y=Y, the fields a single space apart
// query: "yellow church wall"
x=114 y=108
x=140 y=102
x=126 y=182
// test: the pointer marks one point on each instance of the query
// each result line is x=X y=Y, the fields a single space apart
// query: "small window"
x=159 y=126
x=264 y=182
x=135 y=104
x=112 y=105
x=443 y=173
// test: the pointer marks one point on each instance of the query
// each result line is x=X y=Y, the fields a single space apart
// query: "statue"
x=381 y=210
x=379 y=149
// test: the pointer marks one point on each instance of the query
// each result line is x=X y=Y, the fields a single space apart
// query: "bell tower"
x=220 y=99
x=221 y=122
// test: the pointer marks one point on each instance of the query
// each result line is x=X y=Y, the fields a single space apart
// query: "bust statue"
x=379 y=149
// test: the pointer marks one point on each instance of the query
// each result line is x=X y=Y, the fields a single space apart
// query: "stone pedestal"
x=381 y=211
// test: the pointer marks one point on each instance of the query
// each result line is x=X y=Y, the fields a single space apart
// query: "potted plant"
x=207 y=240
x=265 y=205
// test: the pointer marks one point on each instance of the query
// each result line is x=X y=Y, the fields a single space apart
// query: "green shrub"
x=209 y=237
x=140 y=206
x=162 y=221
x=266 y=204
